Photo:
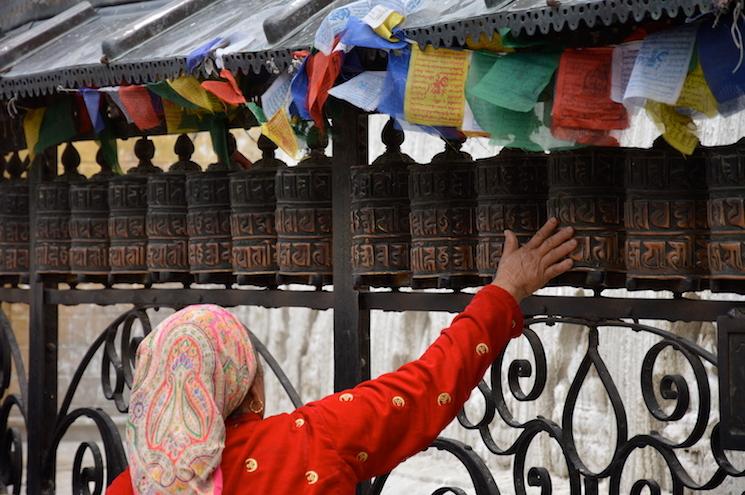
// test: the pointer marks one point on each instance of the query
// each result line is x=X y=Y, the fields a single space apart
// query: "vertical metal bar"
x=42 y=403
x=351 y=324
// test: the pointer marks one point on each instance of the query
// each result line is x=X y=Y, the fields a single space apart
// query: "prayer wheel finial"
x=184 y=149
x=70 y=161
x=105 y=164
x=392 y=138
x=144 y=151
x=267 y=148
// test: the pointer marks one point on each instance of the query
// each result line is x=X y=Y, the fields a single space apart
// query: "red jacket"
x=327 y=447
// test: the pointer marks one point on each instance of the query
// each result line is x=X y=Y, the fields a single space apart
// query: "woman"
x=196 y=411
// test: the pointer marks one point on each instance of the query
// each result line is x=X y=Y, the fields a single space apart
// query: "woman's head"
x=196 y=369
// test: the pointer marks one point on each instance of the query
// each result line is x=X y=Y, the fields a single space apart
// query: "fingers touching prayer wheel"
x=512 y=189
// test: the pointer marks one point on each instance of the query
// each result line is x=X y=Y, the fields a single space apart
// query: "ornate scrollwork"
x=11 y=445
x=673 y=388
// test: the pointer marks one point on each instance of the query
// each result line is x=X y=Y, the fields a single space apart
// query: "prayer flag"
x=363 y=91
x=57 y=125
x=493 y=44
x=92 y=100
x=219 y=135
x=515 y=81
x=624 y=58
x=113 y=93
x=166 y=92
x=228 y=90
x=138 y=105
x=277 y=95
x=189 y=88
x=257 y=111
x=394 y=88
x=383 y=20
x=322 y=73
x=697 y=95
x=279 y=130
x=31 y=127
x=299 y=90
x=358 y=33
x=661 y=66
x=678 y=130
x=198 y=55
x=721 y=61
x=180 y=120
x=435 y=86
x=582 y=94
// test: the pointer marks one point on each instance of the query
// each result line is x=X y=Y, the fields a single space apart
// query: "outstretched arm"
x=381 y=422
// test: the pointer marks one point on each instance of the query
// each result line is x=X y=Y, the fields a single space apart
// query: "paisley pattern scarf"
x=191 y=373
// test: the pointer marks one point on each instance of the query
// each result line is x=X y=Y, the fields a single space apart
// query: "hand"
x=524 y=270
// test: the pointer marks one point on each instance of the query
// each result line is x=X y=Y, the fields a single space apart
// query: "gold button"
x=362 y=457
x=299 y=422
x=311 y=477
x=399 y=401
x=482 y=349
x=444 y=398
x=346 y=397
x=251 y=465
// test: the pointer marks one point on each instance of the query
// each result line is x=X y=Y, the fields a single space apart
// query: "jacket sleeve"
x=380 y=423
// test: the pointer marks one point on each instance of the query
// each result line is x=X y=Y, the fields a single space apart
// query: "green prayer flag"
x=257 y=111
x=219 y=135
x=510 y=41
x=109 y=149
x=515 y=81
x=57 y=126
x=165 y=91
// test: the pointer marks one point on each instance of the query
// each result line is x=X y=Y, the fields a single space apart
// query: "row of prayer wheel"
x=264 y=226
x=645 y=219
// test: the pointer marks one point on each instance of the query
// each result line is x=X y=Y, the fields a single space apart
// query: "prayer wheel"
x=304 y=217
x=443 y=220
x=725 y=171
x=253 y=201
x=381 y=236
x=127 y=218
x=167 y=237
x=14 y=224
x=89 y=225
x=512 y=190
x=665 y=217
x=586 y=192
x=208 y=223
x=53 y=219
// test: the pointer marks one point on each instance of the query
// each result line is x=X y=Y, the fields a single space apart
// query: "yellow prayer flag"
x=191 y=89
x=435 y=86
x=678 y=129
x=175 y=122
x=697 y=95
x=279 y=130
x=31 y=128
x=492 y=45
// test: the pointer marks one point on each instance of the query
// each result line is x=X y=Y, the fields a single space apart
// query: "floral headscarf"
x=191 y=373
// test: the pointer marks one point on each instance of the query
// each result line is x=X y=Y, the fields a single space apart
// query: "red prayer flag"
x=584 y=136
x=82 y=119
x=322 y=73
x=228 y=90
x=583 y=84
x=139 y=105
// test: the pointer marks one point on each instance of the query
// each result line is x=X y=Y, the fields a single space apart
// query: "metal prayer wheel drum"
x=14 y=224
x=725 y=171
x=253 y=201
x=208 y=223
x=89 y=225
x=381 y=236
x=127 y=214
x=665 y=217
x=304 y=218
x=443 y=220
x=586 y=192
x=512 y=190
x=167 y=237
x=53 y=219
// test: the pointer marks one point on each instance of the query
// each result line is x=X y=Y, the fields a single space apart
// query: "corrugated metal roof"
x=71 y=54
